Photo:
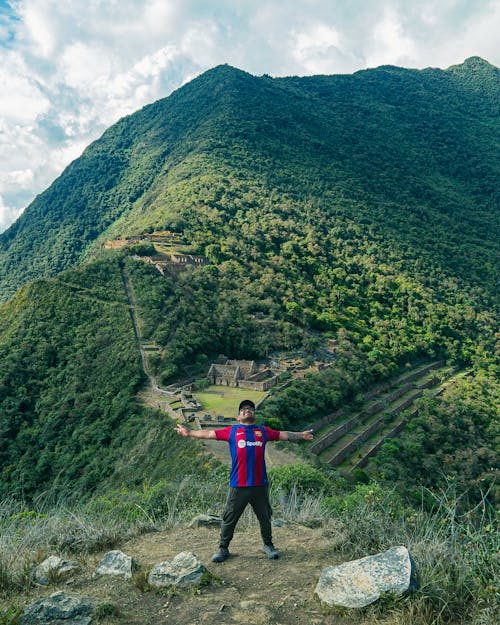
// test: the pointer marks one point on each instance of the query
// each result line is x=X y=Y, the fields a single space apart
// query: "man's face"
x=246 y=415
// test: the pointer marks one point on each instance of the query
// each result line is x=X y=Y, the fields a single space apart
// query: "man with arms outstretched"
x=248 y=483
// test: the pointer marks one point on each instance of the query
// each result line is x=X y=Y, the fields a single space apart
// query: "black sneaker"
x=271 y=551
x=221 y=554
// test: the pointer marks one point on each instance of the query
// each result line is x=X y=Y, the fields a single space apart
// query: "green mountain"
x=356 y=209
x=407 y=155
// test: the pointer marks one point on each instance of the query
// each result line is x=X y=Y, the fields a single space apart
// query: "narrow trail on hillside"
x=89 y=293
x=153 y=395
x=132 y=306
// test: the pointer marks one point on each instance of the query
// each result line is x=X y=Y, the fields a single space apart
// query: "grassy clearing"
x=224 y=400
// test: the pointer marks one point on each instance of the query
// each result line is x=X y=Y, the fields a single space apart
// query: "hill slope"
x=355 y=209
x=407 y=155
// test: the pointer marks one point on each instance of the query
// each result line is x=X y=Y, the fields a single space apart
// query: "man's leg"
x=237 y=499
x=263 y=512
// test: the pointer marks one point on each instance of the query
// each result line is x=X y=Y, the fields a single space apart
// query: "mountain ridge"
x=119 y=168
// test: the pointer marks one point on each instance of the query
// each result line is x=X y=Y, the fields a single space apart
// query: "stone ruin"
x=243 y=374
x=173 y=262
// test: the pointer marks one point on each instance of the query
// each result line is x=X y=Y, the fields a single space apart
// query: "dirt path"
x=249 y=589
x=136 y=325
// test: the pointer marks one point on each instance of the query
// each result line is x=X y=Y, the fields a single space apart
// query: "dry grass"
x=456 y=554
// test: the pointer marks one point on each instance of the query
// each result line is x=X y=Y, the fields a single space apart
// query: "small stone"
x=248 y=605
x=252 y=613
x=279 y=522
x=206 y=520
x=117 y=563
x=55 y=569
x=313 y=523
x=60 y=609
x=184 y=570
x=361 y=582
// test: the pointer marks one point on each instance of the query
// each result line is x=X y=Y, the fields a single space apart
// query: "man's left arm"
x=306 y=435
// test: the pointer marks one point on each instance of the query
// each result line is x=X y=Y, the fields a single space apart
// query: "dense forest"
x=406 y=156
x=357 y=209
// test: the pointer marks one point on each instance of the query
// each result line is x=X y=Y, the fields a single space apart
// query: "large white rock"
x=184 y=570
x=117 y=563
x=60 y=608
x=361 y=582
x=55 y=569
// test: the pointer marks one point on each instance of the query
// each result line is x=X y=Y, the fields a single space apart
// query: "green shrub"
x=302 y=477
x=10 y=616
x=273 y=422
x=363 y=494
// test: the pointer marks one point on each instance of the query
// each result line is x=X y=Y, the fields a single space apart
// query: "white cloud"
x=321 y=47
x=81 y=65
x=8 y=214
x=22 y=101
x=70 y=69
x=39 y=30
x=199 y=43
x=391 y=42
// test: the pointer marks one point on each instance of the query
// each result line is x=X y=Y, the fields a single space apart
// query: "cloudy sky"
x=70 y=68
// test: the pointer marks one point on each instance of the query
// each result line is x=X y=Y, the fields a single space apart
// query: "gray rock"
x=54 y=569
x=60 y=609
x=313 y=523
x=206 y=520
x=361 y=582
x=279 y=522
x=184 y=570
x=117 y=563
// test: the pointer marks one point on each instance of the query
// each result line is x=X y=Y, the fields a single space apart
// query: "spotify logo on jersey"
x=242 y=444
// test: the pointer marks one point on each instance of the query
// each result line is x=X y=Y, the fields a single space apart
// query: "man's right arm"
x=182 y=430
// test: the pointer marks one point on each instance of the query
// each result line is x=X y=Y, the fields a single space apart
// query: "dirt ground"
x=247 y=589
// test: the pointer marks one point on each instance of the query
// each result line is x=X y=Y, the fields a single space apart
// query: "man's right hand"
x=182 y=430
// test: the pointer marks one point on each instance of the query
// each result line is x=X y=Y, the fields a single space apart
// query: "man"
x=248 y=483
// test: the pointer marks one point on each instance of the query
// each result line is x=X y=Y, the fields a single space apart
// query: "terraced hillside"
x=348 y=439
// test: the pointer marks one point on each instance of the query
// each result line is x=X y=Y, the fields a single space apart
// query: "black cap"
x=246 y=402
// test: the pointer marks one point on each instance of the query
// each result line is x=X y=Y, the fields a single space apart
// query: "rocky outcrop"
x=358 y=583
x=55 y=569
x=183 y=571
x=60 y=609
x=117 y=563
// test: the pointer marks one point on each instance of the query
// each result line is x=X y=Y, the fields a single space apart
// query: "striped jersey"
x=247 y=444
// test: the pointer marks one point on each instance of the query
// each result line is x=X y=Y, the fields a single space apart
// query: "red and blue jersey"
x=247 y=444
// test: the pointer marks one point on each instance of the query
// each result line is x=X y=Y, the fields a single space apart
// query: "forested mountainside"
x=354 y=209
x=407 y=156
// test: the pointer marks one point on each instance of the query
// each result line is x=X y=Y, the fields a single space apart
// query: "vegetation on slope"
x=405 y=156
x=356 y=208
x=68 y=409
x=453 y=439
x=70 y=372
